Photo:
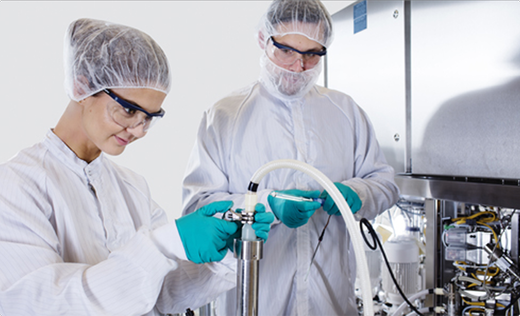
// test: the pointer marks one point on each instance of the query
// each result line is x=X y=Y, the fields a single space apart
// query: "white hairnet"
x=306 y=17
x=101 y=55
x=309 y=18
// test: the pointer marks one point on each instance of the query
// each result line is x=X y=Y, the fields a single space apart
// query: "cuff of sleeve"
x=357 y=187
x=226 y=267
x=169 y=242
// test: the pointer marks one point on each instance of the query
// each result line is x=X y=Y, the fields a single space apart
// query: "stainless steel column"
x=207 y=310
x=431 y=209
x=248 y=254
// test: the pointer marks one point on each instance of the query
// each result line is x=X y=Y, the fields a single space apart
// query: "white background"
x=211 y=47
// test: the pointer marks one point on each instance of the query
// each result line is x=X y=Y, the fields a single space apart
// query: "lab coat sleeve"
x=195 y=285
x=373 y=180
x=190 y=285
x=35 y=280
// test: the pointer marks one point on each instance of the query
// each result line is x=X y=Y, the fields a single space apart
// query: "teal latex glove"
x=263 y=221
x=261 y=226
x=203 y=236
x=294 y=213
x=351 y=197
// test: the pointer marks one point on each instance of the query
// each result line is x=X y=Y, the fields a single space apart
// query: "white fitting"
x=250 y=202
x=352 y=227
x=438 y=291
x=248 y=233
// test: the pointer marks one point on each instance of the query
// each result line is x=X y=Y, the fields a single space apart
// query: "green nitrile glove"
x=263 y=220
x=204 y=236
x=294 y=213
x=231 y=240
x=351 y=197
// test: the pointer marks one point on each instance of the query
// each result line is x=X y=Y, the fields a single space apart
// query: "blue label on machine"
x=360 y=16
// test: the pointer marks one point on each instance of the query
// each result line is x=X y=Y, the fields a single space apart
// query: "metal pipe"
x=453 y=305
x=248 y=254
x=206 y=310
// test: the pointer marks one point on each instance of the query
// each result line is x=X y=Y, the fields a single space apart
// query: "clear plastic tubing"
x=352 y=227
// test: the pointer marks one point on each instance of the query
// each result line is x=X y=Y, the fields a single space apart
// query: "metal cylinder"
x=248 y=254
x=453 y=305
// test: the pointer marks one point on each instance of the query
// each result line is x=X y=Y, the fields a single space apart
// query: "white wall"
x=210 y=45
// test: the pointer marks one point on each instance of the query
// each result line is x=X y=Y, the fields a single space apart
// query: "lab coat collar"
x=64 y=154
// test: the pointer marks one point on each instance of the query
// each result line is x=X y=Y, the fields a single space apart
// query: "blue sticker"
x=360 y=16
x=360 y=9
x=360 y=24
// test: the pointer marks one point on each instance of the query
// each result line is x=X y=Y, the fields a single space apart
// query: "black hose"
x=365 y=222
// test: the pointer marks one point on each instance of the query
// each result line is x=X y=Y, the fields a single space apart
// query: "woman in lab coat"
x=81 y=235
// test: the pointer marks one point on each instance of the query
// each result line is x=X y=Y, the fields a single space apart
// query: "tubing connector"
x=244 y=218
x=502 y=261
x=248 y=214
x=250 y=202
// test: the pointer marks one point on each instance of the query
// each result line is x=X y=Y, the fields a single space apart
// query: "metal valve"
x=244 y=218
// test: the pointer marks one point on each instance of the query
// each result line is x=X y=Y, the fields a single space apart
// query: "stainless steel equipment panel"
x=465 y=73
x=369 y=66
x=444 y=79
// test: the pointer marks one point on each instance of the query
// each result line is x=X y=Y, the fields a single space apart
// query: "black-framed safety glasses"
x=130 y=115
x=288 y=55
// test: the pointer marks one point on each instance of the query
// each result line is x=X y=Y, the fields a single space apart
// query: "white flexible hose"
x=353 y=229
x=412 y=298
x=421 y=310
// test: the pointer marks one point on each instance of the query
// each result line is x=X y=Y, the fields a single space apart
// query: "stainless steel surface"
x=231 y=215
x=370 y=67
x=465 y=74
x=248 y=254
x=207 y=310
x=444 y=75
x=515 y=238
x=408 y=89
x=462 y=189
x=431 y=210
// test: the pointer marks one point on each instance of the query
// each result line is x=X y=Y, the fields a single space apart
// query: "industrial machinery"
x=467 y=263
x=440 y=81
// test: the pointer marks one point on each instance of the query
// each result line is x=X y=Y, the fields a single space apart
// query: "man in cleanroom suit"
x=285 y=115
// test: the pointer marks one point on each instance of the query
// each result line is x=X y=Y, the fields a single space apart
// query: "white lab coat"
x=325 y=129
x=81 y=238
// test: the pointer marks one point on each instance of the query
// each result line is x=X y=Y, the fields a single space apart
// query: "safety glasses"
x=129 y=115
x=288 y=55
